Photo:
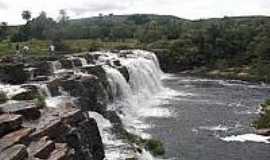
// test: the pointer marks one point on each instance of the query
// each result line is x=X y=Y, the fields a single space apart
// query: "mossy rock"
x=13 y=73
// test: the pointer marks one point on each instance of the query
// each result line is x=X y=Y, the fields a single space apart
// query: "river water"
x=211 y=120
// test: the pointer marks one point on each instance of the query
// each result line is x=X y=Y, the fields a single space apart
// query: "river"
x=210 y=120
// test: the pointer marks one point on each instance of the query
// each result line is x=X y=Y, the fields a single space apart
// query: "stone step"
x=61 y=152
x=17 y=152
x=15 y=137
x=41 y=149
x=9 y=123
x=27 y=109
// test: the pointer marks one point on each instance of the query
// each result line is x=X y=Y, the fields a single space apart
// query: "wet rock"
x=17 y=152
x=117 y=63
x=77 y=62
x=124 y=71
x=41 y=148
x=61 y=152
x=67 y=64
x=9 y=123
x=27 y=109
x=19 y=136
x=13 y=73
x=263 y=132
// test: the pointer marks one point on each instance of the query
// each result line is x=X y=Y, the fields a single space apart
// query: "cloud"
x=3 y=5
x=101 y=6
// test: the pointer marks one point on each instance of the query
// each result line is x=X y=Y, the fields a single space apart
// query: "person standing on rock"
x=51 y=49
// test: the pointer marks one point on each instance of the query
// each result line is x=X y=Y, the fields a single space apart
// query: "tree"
x=3 y=30
x=26 y=15
x=63 y=18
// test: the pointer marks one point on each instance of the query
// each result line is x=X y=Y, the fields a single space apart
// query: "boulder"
x=9 y=123
x=27 y=109
x=13 y=73
x=17 y=152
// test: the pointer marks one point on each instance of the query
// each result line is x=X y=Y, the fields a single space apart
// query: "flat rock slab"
x=14 y=138
x=41 y=149
x=27 y=109
x=9 y=122
x=61 y=152
x=17 y=152
x=47 y=126
x=263 y=132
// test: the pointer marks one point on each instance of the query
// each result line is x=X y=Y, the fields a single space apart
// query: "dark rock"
x=53 y=86
x=43 y=68
x=41 y=78
x=9 y=123
x=263 y=132
x=13 y=73
x=41 y=148
x=117 y=63
x=26 y=95
x=27 y=109
x=124 y=71
x=77 y=62
x=61 y=152
x=19 y=136
x=17 y=152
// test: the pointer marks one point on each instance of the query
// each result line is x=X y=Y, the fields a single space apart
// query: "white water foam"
x=247 y=138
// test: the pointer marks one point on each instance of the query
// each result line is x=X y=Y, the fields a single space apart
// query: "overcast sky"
x=10 y=10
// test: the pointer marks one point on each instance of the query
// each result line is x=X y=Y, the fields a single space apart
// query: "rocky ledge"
x=65 y=133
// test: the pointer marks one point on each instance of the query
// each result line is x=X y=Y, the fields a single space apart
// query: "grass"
x=39 y=47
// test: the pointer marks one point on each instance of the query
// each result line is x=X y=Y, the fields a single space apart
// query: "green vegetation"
x=3 y=97
x=40 y=102
x=152 y=145
x=264 y=120
x=221 y=44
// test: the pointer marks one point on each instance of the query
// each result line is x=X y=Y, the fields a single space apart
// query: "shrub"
x=155 y=147
x=40 y=102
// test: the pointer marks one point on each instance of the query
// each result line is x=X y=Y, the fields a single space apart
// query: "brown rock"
x=15 y=137
x=17 y=152
x=263 y=132
x=41 y=149
x=9 y=122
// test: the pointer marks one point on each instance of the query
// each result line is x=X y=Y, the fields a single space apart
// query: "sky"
x=10 y=10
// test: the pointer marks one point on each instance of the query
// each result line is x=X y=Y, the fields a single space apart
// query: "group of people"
x=25 y=50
